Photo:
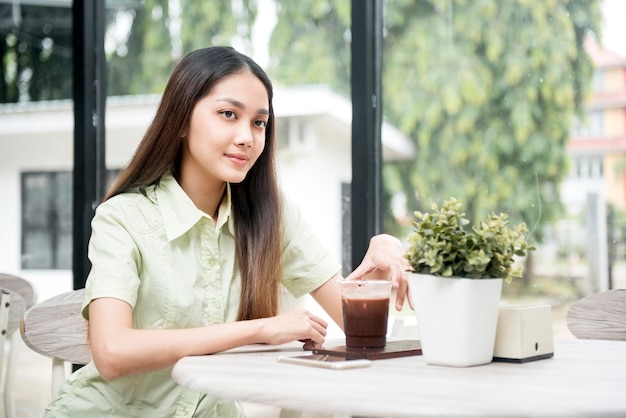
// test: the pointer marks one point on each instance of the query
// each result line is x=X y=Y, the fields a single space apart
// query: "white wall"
x=312 y=180
x=23 y=153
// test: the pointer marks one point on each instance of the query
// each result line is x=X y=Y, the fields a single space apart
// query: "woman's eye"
x=228 y=114
x=260 y=123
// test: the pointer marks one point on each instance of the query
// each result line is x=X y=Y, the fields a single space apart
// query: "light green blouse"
x=176 y=268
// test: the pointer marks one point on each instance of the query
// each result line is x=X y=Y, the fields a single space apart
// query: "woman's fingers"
x=299 y=325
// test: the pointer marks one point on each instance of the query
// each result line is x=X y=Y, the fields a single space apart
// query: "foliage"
x=141 y=62
x=159 y=37
x=209 y=23
x=441 y=244
x=487 y=90
x=35 y=54
x=311 y=43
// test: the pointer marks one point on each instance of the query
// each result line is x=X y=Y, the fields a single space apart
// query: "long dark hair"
x=256 y=200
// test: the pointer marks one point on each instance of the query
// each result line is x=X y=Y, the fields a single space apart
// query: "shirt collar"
x=224 y=214
x=179 y=212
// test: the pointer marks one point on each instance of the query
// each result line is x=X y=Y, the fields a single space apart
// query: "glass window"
x=487 y=91
x=598 y=80
x=592 y=127
x=47 y=219
x=36 y=46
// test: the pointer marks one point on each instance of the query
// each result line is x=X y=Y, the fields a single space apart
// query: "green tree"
x=488 y=91
x=214 y=23
x=35 y=54
x=159 y=36
x=311 y=43
x=142 y=61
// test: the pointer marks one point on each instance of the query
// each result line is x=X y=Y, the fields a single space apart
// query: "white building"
x=36 y=139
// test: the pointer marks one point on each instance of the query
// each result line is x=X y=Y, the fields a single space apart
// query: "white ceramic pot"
x=457 y=318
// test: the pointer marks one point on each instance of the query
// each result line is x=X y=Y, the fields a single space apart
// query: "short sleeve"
x=115 y=258
x=307 y=263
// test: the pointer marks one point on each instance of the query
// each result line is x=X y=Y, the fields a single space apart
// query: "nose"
x=244 y=136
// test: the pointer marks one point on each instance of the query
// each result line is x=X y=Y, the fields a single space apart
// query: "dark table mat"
x=392 y=349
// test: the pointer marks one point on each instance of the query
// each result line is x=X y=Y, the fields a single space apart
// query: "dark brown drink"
x=365 y=322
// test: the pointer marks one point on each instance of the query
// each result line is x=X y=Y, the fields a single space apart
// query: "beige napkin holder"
x=524 y=333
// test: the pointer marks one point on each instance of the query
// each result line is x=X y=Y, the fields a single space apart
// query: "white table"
x=585 y=378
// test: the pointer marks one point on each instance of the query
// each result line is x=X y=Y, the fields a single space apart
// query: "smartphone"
x=326 y=361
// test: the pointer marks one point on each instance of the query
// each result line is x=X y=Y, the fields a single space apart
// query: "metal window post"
x=366 y=51
x=89 y=66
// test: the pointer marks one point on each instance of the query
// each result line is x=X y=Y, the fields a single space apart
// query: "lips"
x=238 y=158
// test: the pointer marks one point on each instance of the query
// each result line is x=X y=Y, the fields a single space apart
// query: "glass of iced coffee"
x=365 y=312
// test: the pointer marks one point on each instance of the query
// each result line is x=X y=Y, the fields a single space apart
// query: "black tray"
x=393 y=349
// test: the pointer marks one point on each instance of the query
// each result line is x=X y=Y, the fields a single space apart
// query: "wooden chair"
x=55 y=328
x=12 y=308
x=601 y=316
x=27 y=292
x=5 y=306
x=20 y=286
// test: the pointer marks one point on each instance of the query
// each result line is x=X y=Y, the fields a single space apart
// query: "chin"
x=235 y=179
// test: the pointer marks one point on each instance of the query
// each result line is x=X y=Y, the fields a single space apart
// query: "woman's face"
x=226 y=133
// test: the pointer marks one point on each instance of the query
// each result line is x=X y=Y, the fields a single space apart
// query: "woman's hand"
x=385 y=259
x=299 y=324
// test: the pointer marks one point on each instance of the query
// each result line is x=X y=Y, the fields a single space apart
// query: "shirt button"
x=212 y=262
x=185 y=410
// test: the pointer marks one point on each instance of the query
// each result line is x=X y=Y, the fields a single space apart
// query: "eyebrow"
x=240 y=105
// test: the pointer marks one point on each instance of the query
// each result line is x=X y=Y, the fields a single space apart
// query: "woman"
x=191 y=245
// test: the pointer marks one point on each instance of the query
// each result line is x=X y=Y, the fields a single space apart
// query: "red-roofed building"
x=598 y=143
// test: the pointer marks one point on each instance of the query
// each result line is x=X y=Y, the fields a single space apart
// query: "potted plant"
x=456 y=280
